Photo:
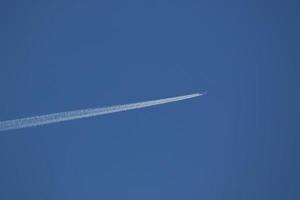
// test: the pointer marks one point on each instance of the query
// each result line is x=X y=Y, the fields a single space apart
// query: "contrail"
x=79 y=114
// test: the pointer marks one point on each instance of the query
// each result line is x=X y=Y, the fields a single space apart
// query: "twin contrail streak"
x=78 y=114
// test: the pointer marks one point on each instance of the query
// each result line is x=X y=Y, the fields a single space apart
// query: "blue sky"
x=240 y=141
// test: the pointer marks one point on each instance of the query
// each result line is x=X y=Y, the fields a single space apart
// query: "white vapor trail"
x=78 y=114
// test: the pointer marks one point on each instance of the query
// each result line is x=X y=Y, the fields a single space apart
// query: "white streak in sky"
x=78 y=114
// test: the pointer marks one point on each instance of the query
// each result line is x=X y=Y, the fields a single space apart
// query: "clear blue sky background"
x=240 y=141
